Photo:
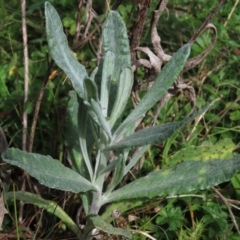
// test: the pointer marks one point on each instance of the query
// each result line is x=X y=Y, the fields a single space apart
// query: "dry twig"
x=26 y=73
x=37 y=106
x=225 y=201
x=78 y=24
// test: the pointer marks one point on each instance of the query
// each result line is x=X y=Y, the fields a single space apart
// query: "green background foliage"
x=200 y=216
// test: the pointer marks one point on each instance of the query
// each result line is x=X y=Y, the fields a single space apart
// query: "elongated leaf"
x=118 y=175
x=101 y=119
x=47 y=171
x=50 y=206
x=185 y=177
x=135 y=158
x=107 y=72
x=100 y=224
x=111 y=166
x=72 y=134
x=90 y=88
x=122 y=206
x=82 y=126
x=115 y=40
x=123 y=94
x=164 y=80
x=93 y=74
x=153 y=135
x=60 y=51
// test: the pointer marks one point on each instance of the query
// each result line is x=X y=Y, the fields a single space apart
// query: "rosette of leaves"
x=95 y=127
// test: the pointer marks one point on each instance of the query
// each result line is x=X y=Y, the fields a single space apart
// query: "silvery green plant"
x=95 y=126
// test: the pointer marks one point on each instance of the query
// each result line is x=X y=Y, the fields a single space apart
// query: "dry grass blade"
x=3 y=141
x=3 y=210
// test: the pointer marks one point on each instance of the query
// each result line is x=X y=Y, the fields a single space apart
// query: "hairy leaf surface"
x=154 y=135
x=60 y=51
x=185 y=177
x=116 y=42
x=100 y=224
x=48 y=171
x=162 y=83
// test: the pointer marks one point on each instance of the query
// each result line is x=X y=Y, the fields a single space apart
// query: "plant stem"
x=96 y=203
